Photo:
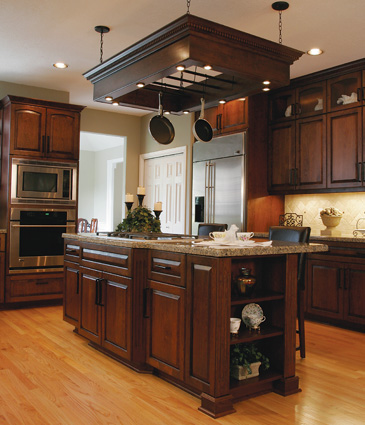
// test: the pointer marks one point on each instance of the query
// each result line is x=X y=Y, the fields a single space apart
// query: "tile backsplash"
x=352 y=204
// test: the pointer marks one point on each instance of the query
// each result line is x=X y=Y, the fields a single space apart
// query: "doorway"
x=102 y=179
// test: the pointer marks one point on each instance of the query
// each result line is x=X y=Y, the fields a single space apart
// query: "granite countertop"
x=189 y=247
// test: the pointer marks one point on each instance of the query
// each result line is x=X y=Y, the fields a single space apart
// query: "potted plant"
x=245 y=361
x=140 y=219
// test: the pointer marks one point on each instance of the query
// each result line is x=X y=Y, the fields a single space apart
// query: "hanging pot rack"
x=240 y=63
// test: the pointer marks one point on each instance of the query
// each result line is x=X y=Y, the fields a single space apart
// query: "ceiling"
x=35 y=34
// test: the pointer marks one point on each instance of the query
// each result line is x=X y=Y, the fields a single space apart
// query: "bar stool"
x=205 y=228
x=296 y=234
x=81 y=225
x=94 y=225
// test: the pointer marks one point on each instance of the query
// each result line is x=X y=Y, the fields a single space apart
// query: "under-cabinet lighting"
x=140 y=85
x=180 y=68
x=108 y=98
x=185 y=112
x=315 y=51
x=266 y=89
x=242 y=99
x=60 y=65
x=266 y=82
x=222 y=101
x=208 y=67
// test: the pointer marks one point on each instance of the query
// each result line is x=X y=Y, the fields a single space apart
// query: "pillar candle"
x=157 y=206
x=141 y=190
x=129 y=197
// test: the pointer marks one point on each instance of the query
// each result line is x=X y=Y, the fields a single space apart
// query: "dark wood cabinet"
x=345 y=91
x=2 y=267
x=71 y=294
x=297 y=155
x=41 y=129
x=336 y=285
x=230 y=117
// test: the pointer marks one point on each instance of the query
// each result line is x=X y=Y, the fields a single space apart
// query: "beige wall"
x=119 y=125
x=33 y=92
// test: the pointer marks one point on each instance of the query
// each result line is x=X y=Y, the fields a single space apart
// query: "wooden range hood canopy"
x=240 y=63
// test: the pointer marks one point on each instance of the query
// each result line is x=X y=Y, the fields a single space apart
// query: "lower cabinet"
x=105 y=310
x=165 y=327
x=336 y=291
x=71 y=293
x=2 y=267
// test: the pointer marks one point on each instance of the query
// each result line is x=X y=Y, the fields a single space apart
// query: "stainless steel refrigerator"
x=219 y=181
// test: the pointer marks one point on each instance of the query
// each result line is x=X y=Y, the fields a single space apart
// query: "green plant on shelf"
x=245 y=354
x=140 y=219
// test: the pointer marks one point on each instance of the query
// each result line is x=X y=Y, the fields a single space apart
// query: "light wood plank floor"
x=50 y=376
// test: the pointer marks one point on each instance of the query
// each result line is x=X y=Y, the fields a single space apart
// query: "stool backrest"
x=293 y=234
x=205 y=228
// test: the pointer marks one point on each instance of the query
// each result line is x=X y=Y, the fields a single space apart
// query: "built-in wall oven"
x=43 y=182
x=36 y=241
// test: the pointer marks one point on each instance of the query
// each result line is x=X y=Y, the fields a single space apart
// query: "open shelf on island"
x=245 y=335
x=256 y=298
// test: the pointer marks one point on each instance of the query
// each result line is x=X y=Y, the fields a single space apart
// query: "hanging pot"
x=160 y=127
x=202 y=129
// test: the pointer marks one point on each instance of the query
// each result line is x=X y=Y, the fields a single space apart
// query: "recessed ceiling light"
x=108 y=98
x=115 y=103
x=222 y=101
x=166 y=112
x=315 y=51
x=208 y=67
x=242 y=99
x=266 y=89
x=180 y=67
x=266 y=82
x=140 y=85
x=186 y=112
x=60 y=65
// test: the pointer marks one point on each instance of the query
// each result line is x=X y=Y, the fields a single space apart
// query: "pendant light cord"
x=101 y=46
x=280 y=28
x=188 y=6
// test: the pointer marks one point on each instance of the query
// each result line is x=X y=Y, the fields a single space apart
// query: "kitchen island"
x=163 y=307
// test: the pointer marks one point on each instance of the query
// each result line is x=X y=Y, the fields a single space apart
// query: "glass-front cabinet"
x=345 y=91
x=298 y=103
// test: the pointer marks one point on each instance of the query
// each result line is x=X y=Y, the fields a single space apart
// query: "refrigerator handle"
x=213 y=193
x=206 y=209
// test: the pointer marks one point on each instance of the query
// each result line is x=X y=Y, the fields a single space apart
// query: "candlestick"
x=140 y=199
x=141 y=190
x=129 y=205
x=157 y=213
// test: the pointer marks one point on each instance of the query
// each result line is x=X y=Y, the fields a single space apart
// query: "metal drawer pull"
x=42 y=282
x=163 y=267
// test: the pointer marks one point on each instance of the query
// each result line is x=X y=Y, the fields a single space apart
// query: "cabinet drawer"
x=23 y=288
x=72 y=252
x=116 y=260
x=167 y=267
x=2 y=242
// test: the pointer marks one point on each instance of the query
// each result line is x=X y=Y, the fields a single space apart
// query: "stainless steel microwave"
x=43 y=182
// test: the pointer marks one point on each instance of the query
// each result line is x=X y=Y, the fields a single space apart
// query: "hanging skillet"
x=202 y=129
x=160 y=127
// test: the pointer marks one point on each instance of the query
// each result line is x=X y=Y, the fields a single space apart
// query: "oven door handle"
x=42 y=225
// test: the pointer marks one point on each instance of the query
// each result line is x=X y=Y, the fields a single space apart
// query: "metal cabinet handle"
x=41 y=282
x=97 y=282
x=163 y=267
x=359 y=174
x=359 y=93
x=78 y=282
x=101 y=292
x=146 y=302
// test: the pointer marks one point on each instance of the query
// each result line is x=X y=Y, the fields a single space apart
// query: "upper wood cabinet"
x=41 y=129
x=345 y=92
x=230 y=117
x=298 y=103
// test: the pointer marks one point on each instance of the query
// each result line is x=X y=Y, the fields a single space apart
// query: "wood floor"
x=50 y=376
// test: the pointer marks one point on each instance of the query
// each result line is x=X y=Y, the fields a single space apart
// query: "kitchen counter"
x=318 y=237
x=188 y=247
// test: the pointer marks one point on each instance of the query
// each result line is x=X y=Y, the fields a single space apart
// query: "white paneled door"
x=164 y=178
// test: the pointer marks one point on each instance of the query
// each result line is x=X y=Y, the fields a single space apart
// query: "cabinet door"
x=282 y=157
x=2 y=277
x=62 y=134
x=354 y=294
x=90 y=324
x=344 y=92
x=116 y=301
x=310 y=170
x=234 y=116
x=325 y=289
x=166 y=328
x=28 y=124
x=282 y=106
x=311 y=100
x=344 y=149
x=71 y=294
